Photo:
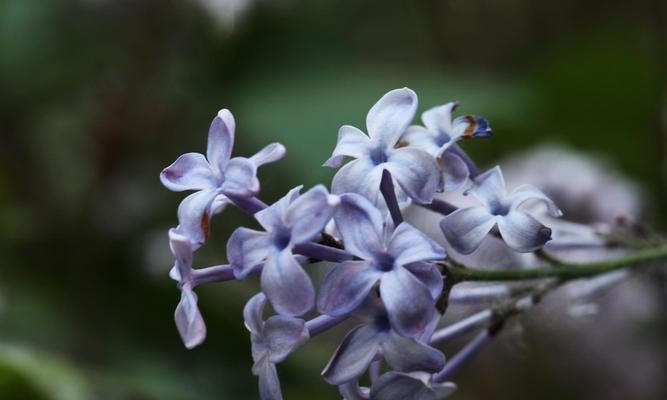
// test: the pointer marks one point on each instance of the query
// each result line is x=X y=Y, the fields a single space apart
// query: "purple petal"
x=252 y=314
x=269 y=384
x=194 y=216
x=309 y=214
x=273 y=217
x=240 y=178
x=529 y=192
x=283 y=335
x=409 y=304
x=188 y=319
x=190 y=171
x=269 y=154
x=420 y=138
x=408 y=245
x=220 y=140
x=346 y=286
x=489 y=187
x=469 y=126
x=454 y=171
x=182 y=250
x=439 y=118
x=246 y=250
x=428 y=275
x=416 y=172
x=399 y=386
x=522 y=232
x=353 y=356
x=358 y=176
x=287 y=285
x=360 y=226
x=390 y=116
x=407 y=355
x=465 y=228
x=352 y=391
x=351 y=142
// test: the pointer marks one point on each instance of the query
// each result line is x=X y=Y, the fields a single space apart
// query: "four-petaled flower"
x=415 y=386
x=215 y=175
x=292 y=220
x=408 y=287
x=414 y=170
x=438 y=137
x=466 y=228
x=272 y=341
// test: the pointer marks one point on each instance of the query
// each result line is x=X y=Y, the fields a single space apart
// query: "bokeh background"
x=97 y=96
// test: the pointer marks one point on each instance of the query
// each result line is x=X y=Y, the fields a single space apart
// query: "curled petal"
x=407 y=355
x=190 y=171
x=409 y=304
x=220 y=140
x=420 y=138
x=252 y=314
x=439 y=118
x=346 y=286
x=489 y=187
x=240 y=177
x=469 y=126
x=309 y=214
x=358 y=176
x=269 y=154
x=454 y=171
x=194 y=216
x=360 y=226
x=416 y=172
x=427 y=275
x=390 y=116
x=287 y=285
x=273 y=217
x=408 y=245
x=529 y=192
x=283 y=335
x=351 y=142
x=188 y=319
x=522 y=232
x=465 y=228
x=269 y=384
x=182 y=250
x=353 y=356
x=246 y=250
x=352 y=391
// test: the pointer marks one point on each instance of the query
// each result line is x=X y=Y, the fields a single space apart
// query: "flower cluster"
x=387 y=274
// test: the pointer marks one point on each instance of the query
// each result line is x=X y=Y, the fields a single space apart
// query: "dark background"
x=97 y=96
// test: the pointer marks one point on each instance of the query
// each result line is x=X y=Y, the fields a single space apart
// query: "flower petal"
x=309 y=214
x=359 y=176
x=283 y=335
x=439 y=118
x=360 y=226
x=351 y=142
x=194 y=216
x=287 y=285
x=399 y=386
x=408 y=245
x=346 y=286
x=269 y=384
x=489 y=187
x=390 y=116
x=407 y=355
x=188 y=319
x=415 y=171
x=420 y=138
x=409 y=304
x=240 y=177
x=527 y=192
x=427 y=275
x=353 y=356
x=269 y=154
x=190 y=171
x=246 y=250
x=220 y=140
x=273 y=217
x=465 y=228
x=522 y=232
x=252 y=314
x=454 y=171
x=469 y=126
x=181 y=249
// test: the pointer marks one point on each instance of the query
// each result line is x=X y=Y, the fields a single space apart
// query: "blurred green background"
x=97 y=96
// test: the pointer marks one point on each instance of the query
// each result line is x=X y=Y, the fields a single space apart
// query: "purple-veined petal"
x=469 y=126
x=194 y=216
x=489 y=188
x=181 y=249
x=358 y=176
x=439 y=118
x=465 y=228
x=527 y=192
x=353 y=356
x=409 y=304
x=360 y=226
x=408 y=245
x=428 y=275
x=309 y=214
x=407 y=355
x=454 y=171
x=351 y=142
x=522 y=232
x=252 y=314
x=220 y=140
x=246 y=250
x=271 y=153
x=283 y=335
x=390 y=116
x=346 y=286
x=286 y=284
x=190 y=171
x=273 y=217
x=420 y=138
x=188 y=319
x=269 y=384
x=415 y=171
x=240 y=177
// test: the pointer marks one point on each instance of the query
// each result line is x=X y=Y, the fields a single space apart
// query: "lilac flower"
x=414 y=170
x=214 y=176
x=376 y=338
x=408 y=287
x=272 y=341
x=415 y=386
x=292 y=220
x=466 y=228
x=440 y=134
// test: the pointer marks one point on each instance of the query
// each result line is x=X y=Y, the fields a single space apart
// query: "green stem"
x=563 y=271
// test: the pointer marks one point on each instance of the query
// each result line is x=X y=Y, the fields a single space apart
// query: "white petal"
x=390 y=116
x=465 y=228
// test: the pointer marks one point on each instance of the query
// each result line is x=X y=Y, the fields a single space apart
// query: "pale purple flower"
x=272 y=341
x=438 y=136
x=414 y=170
x=290 y=221
x=414 y=386
x=407 y=285
x=374 y=339
x=465 y=228
x=215 y=177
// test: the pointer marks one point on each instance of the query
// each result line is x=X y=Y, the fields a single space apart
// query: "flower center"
x=378 y=156
x=385 y=262
x=282 y=238
x=497 y=207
